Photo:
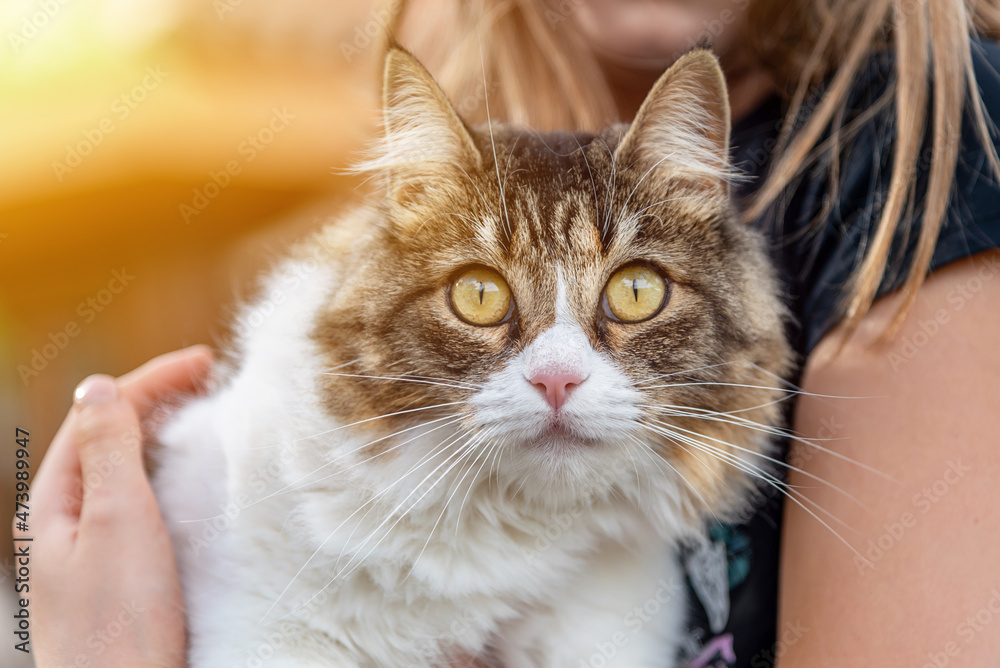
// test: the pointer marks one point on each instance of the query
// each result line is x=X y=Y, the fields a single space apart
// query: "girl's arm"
x=926 y=411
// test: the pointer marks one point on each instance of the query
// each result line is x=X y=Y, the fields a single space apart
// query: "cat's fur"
x=376 y=483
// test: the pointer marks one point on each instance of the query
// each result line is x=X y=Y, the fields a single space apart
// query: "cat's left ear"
x=682 y=128
x=426 y=146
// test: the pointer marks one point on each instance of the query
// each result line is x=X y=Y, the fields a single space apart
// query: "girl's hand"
x=105 y=589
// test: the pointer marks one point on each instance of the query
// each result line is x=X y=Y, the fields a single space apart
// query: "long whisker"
x=609 y=185
x=411 y=379
x=784 y=488
x=458 y=456
x=470 y=452
x=680 y=198
x=441 y=447
x=354 y=424
x=650 y=452
x=635 y=467
x=452 y=419
x=495 y=446
x=686 y=371
x=506 y=169
x=624 y=207
x=777 y=432
x=743 y=385
x=731 y=413
x=489 y=123
x=478 y=191
x=426 y=458
x=773 y=460
x=593 y=185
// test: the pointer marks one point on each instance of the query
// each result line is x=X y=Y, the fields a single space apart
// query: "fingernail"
x=95 y=390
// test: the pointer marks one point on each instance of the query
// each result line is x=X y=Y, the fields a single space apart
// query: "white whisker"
x=426 y=380
x=354 y=424
x=441 y=447
x=773 y=460
x=784 y=488
x=489 y=122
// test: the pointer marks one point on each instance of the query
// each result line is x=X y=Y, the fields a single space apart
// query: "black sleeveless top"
x=816 y=237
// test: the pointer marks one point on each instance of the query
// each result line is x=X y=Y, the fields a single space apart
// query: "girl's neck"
x=748 y=83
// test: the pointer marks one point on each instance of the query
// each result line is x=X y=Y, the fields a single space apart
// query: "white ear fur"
x=425 y=141
x=683 y=124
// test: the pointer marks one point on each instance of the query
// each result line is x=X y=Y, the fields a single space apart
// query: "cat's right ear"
x=426 y=147
x=681 y=131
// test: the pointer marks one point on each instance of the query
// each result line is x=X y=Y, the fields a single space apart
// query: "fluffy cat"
x=475 y=421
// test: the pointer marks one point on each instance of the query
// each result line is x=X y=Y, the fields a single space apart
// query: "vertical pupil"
x=482 y=289
x=635 y=289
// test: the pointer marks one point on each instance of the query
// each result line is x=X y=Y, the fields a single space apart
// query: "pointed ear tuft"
x=425 y=142
x=418 y=115
x=682 y=128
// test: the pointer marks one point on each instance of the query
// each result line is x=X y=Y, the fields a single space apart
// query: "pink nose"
x=556 y=386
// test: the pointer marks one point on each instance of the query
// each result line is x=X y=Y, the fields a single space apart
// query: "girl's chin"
x=650 y=36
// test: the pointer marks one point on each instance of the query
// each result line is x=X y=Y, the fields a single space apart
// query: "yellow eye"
x=480 y=297
x=635 y=293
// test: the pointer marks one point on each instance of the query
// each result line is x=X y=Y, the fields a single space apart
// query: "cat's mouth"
x=558 y=433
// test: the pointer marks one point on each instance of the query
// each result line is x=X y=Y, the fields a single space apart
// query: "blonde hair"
x=543 y=75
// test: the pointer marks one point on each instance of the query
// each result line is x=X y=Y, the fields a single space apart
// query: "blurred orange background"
x=155 y=155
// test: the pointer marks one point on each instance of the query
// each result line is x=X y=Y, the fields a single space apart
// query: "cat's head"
x=572 y=314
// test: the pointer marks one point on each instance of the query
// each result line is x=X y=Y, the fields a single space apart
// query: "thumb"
x=108 y=439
